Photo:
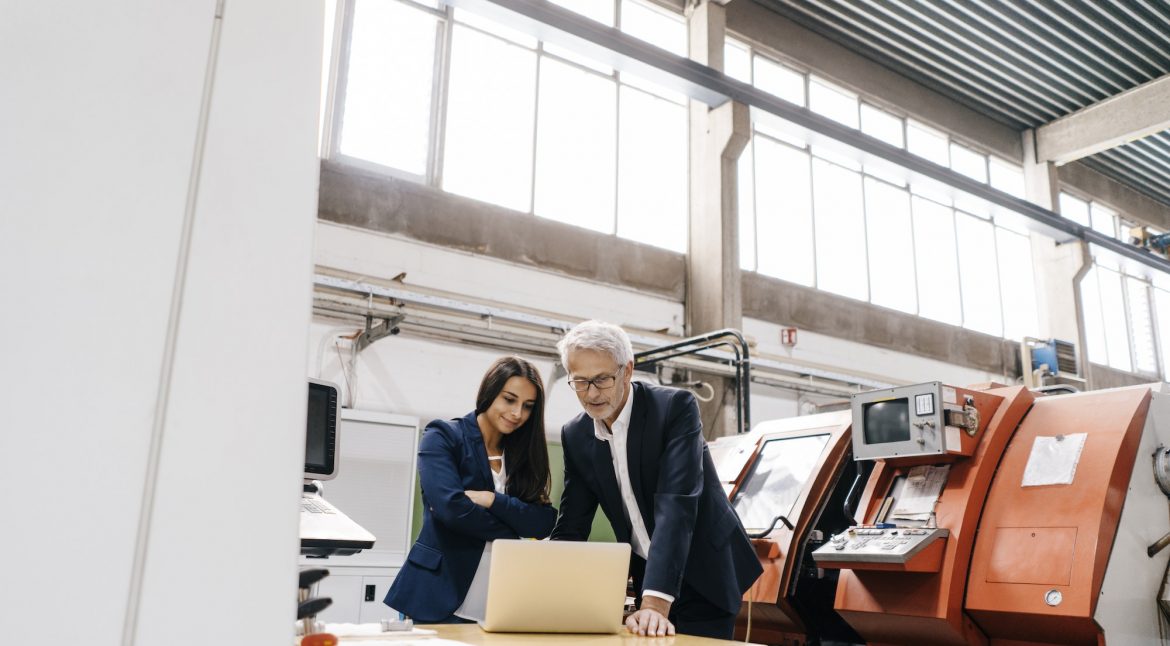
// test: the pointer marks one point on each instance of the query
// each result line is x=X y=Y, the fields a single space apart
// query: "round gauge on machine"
x=1053 y=597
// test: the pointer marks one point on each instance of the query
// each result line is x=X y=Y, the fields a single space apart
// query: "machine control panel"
x=878 y=544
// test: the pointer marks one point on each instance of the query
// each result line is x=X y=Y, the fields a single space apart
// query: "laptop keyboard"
x=314 y=506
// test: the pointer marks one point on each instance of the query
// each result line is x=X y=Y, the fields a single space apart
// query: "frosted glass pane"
x=1113 y=313
x=883 y=125
x=1094 y=318
x=655 y=26
x=491 y=105
x=1103 y=220
x=599 y=10
x=473 y=19
x=746 y=207
x=978 y=274
x=927 y=144
x=833 y=103
x=840 y=230
x=1017 y=283
x=968 y=162
x=1006 y=177
x=1162 y=312
x=1074 y=209
x=891 y=246
x=652 y=171
x=388 y=95
x=576 y=143
x=935 y=261
x=737 y=60
x=1141 y=326
x=780 y=80
x=784 y=219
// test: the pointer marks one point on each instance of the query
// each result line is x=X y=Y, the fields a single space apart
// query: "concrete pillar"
x=1058 y=298
x=718 y=136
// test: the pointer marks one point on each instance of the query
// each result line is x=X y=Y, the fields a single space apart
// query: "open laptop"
x=556 y=587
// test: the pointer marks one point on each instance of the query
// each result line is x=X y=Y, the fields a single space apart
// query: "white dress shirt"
x=474 y=605
x=639 y=537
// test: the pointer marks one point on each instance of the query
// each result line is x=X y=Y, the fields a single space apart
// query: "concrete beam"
x=385 y=204
x=1119 y=119
x=1133 y=205
x=784 y=303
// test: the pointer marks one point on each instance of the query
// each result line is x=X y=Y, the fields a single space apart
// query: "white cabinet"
x=375 y=487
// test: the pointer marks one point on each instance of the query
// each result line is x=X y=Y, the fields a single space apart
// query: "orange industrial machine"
x=904 y=567
x=788 y=482
x=1069 y=544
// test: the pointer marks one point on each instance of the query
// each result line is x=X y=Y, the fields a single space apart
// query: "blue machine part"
x=1044 y=352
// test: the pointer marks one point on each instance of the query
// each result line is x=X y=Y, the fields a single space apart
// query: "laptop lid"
x=556 y=587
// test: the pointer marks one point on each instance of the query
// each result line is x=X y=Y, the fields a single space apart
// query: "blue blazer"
x=695 y=535
x=438 y=570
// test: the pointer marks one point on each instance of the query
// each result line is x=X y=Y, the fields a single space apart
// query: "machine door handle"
x=369 y=592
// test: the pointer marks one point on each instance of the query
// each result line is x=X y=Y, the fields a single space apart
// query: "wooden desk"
x=473 y=634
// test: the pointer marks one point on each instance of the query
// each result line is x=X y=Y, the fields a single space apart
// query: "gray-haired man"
x=638 y=451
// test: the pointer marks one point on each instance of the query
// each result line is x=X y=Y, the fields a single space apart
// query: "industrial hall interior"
x=653 y=322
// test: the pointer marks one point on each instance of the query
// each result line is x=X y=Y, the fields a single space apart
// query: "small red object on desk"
x=319 y=639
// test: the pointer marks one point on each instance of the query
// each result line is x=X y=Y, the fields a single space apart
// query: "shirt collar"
x=622 y=423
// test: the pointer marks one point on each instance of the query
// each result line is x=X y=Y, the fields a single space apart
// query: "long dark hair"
x=524 y=449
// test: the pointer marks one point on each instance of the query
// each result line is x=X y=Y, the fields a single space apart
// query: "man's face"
x=600 y=403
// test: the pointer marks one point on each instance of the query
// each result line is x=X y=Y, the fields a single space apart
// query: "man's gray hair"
x=598 y=336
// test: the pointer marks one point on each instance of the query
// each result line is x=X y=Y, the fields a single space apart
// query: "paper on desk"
x=1053 y=460
x=426 y=641
x=367 y=632
x=920 y=492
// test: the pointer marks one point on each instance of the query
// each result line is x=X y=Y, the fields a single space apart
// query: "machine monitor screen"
x=886 y=421
x=321 y=432
x=776 y=478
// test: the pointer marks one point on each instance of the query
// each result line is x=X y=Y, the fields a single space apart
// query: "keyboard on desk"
x=326 y=531
x=315 y=505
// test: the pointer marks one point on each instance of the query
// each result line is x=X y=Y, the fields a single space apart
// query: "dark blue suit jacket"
x=438 y=570
x=695 y=536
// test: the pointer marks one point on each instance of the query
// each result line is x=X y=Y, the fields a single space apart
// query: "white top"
x=474 y=605
x=639 y=536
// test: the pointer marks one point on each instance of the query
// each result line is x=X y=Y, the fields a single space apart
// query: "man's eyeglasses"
x=601 y=383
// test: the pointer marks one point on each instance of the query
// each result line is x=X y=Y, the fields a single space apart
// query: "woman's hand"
x=482 y=498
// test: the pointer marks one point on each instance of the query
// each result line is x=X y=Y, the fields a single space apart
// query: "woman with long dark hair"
x=484 y=476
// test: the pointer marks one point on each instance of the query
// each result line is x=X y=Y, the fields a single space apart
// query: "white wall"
x=99 y=129
x=429 y=379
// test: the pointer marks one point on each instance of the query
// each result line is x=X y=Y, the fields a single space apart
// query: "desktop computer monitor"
x=321 y=442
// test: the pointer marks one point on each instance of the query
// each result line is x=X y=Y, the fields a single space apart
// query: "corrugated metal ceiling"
x=1023 y=63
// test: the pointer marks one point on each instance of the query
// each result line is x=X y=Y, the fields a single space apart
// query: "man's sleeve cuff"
x=660 y=595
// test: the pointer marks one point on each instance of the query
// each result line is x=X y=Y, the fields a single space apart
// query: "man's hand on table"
x=651 y=618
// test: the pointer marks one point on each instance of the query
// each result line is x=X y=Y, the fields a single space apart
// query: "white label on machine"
x=949 y=396
x=1054 y=460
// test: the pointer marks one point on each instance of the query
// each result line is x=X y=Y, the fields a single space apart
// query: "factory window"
x=781 y=209
x=388 y=91
x=1162 y=310
x=878 y=123
x=833 y=102
x=978 y=274
x=936 y=261
x=445 y=97
x=1017 y=291
x=737 y=60
x=890 y=241
x=485 y=65
x=1005 y=176
x=1074 y=209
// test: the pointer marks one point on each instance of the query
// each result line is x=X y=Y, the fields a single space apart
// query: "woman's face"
x=512 y=406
